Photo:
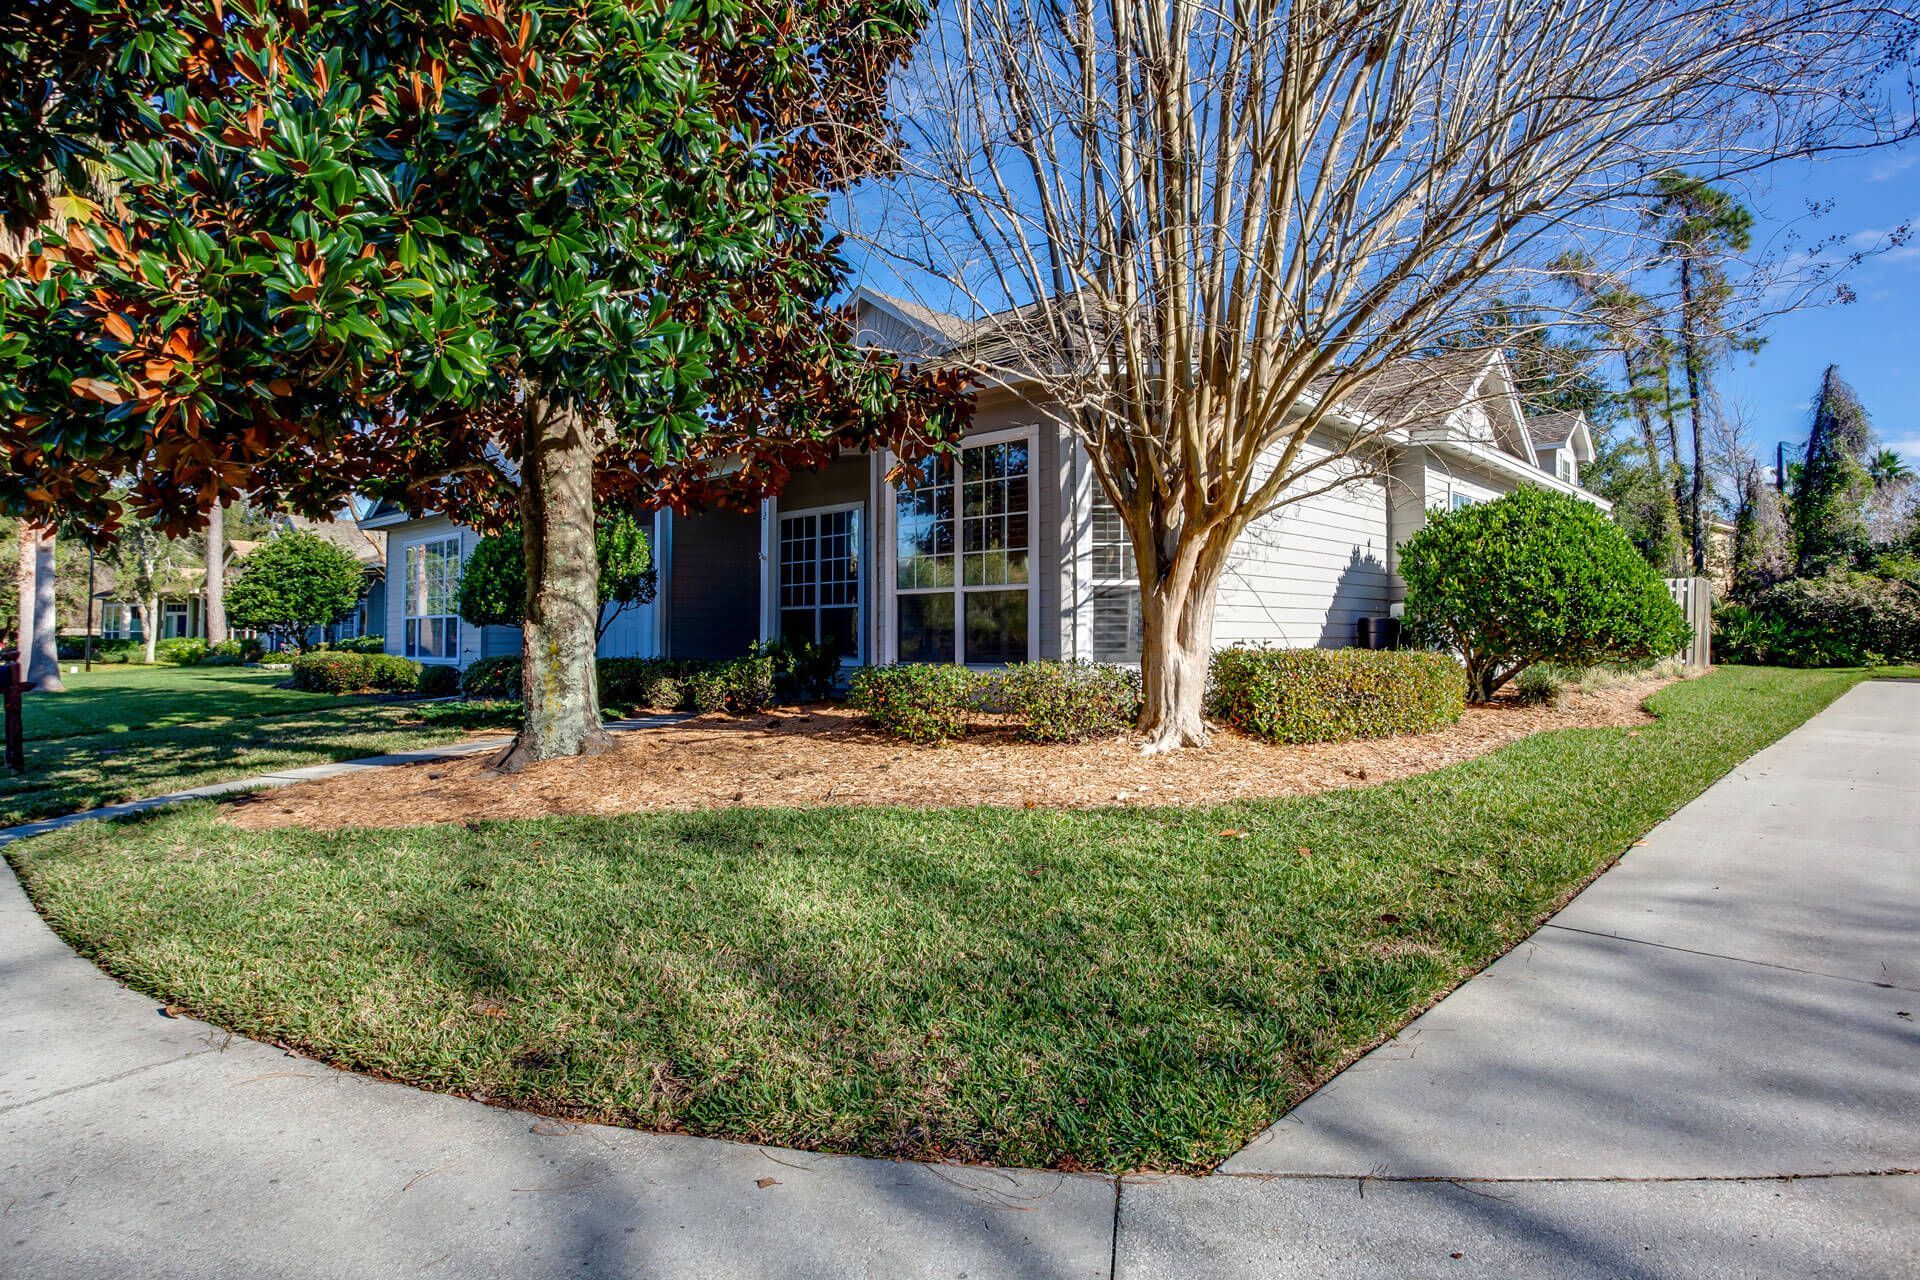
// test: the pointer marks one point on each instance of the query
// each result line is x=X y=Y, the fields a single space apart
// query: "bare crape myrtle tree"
x=1203 y=228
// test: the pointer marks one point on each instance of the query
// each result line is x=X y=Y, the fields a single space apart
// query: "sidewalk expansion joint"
x=144 y=1067
x=1716 y=955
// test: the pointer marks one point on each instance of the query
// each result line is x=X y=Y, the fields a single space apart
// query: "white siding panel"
x=1305 y=574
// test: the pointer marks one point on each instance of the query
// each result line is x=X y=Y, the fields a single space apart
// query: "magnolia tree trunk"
x=216 y=575
x=1176 y=644
x=561 y=701
x=43 y=672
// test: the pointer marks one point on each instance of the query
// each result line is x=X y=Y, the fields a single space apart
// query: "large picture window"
x=432 y=601
x=964 y=542
x=820 y=578
x=1116 y=585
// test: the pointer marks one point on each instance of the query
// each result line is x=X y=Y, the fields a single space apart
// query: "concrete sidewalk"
x=1708 y=1065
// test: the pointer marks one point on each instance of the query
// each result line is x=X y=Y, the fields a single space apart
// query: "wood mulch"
x=825 y=755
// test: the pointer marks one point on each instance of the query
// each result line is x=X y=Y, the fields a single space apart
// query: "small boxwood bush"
x=180 y=651
x=492 y=678
x=1327 y=695
x=1840 y=620
x=915 y=701
x=439 y=681
x=328 y=672
x=742 y=685
x=1066 y=701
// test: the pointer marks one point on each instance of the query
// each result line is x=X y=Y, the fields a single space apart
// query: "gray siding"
x=713 y=585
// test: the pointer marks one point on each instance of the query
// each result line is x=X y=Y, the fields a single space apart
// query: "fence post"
x=1695 y=598
x=13 y=671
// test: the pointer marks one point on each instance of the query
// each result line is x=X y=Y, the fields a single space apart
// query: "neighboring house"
x=1009 y=551
x=183 y=615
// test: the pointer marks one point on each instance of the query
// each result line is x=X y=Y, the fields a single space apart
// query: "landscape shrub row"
x=333 y=671
x=1284 y=695
x=740 y=685
x=1049 y=701
x=1329 y=695
x=1839 y=620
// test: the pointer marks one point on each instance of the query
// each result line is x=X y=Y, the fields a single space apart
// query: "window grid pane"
x=432 y=593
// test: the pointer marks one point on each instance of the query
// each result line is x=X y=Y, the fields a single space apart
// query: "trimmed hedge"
x=741 y=685
x=331 y=672
x=1329 y=695
x=1066 y=701
x=918 y=702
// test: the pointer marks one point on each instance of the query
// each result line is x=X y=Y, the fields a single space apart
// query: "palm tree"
x=1888 y=468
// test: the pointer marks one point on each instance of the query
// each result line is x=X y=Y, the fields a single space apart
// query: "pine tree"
x=1829 y=503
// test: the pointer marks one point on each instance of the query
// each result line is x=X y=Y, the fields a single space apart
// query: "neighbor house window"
x=173 y=621
x=1459 y=500
x=963 y=540
x=432 y=600
x=820 y=578
x=1116 y=585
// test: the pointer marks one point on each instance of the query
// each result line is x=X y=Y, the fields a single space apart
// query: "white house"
x=1009 y=551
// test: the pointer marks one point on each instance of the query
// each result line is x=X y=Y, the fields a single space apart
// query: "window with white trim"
x=963 y=540
x=431 y=604
x=820 y=578
x=1115 y=582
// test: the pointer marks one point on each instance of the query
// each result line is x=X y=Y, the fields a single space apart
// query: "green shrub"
x=228 y=653
x=1066 y=701
x=1541 y=684
x=1535 y=576
x=1840 y=620
x=803 y=671
x=180 y=651
x=439 y=680
x=359 y=644
x=1327 y=695
x=327 y=672
x=742 y=685
x=112 y=652
x=293 y=582
x=918 y=702
x=492 y=678
x=662 y=693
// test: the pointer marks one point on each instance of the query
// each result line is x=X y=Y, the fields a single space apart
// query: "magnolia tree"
x=1206 y=231
x=514 y=259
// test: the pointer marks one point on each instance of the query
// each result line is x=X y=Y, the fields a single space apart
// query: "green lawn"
x=1114 y=990
x=122 y=733
x=118 y=698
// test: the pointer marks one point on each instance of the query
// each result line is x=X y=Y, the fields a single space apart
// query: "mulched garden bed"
x=826 y=755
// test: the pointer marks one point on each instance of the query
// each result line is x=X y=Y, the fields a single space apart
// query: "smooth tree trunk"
x=216 y=620
x=43 y=671
x=1690 y=360
x=25 y=583
x=149 y=611
x=558 y=684
x=1176 y=641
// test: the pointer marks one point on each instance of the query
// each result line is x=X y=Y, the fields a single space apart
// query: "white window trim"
x=886 y=533
x=775 y=516
x=406 y=583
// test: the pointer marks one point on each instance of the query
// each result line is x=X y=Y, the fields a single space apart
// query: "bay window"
x=432 y=600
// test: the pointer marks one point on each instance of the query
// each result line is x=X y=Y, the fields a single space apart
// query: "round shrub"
x=330 y=672
x=439 y=681
x=1328 y=695
x=1066 y=701
x=293 y=582
x=180 y=652
x=1535 y=576
x=492 y=678
x=1840 y=620
x=918 y=702
x=1540 y=685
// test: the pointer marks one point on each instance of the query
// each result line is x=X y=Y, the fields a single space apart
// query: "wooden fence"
x=1695 y=598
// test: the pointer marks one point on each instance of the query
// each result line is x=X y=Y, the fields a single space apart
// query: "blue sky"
x=1876 y=339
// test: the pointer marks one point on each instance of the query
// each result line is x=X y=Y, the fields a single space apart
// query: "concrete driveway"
x=1708 y=1065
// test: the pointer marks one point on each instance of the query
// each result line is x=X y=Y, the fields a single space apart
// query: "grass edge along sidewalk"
x=1113 y=990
